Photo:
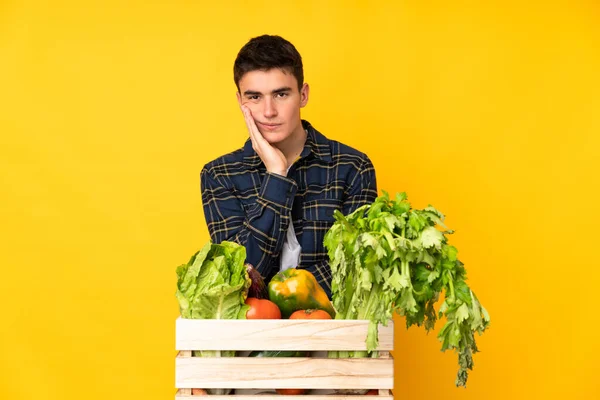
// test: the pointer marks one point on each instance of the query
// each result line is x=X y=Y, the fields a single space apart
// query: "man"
x=277 y=194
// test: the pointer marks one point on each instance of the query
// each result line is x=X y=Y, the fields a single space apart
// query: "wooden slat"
x=180 y=396
x=185 y=391
x=281 y=373
x=285 y=334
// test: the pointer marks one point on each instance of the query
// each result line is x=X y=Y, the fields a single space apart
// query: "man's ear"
x=304 y=95
x=239 y=98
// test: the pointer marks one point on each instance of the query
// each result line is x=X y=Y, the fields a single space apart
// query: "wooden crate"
x=281 y=373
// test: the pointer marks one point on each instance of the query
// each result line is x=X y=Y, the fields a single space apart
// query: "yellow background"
x=108 y=111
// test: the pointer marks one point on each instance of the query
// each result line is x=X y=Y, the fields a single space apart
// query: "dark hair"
x=267 y=52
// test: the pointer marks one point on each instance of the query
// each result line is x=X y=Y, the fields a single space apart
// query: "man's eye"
x=281 y=95
x=254 y=97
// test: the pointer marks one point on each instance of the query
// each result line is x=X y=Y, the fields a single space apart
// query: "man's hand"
x=272 y=157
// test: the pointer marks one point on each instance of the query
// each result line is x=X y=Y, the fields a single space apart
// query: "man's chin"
x=274 y=137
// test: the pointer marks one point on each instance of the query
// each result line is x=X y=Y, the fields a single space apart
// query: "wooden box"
x=281 y=373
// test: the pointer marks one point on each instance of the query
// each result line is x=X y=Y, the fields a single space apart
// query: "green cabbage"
x=214 y=285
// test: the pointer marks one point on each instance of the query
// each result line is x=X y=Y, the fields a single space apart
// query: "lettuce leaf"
x=214 y=283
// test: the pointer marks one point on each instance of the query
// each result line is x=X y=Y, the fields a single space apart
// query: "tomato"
x=310 y=314
x=262 y=309
x=372 y=392
x=290 y=391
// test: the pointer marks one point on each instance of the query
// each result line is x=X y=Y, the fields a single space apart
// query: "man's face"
x=275 y=101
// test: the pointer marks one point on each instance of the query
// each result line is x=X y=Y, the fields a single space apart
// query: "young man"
x=277 y=194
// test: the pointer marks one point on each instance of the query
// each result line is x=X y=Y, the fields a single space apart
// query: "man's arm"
x=362 y=191
x=262 y=230
x=322 y=273
x=363 y=188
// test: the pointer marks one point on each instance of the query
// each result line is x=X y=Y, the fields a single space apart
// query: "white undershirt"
x=290 y=253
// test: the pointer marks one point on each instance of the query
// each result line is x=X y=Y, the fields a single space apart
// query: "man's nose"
x=270 y=110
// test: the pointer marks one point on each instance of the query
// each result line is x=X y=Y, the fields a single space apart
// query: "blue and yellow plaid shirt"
x=246 y=204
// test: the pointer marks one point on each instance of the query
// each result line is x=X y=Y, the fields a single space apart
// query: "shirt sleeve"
x=363 y=188
x=260 y=227
x=322 y=273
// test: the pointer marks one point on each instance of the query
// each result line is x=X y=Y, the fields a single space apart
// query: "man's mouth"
x=269 y=126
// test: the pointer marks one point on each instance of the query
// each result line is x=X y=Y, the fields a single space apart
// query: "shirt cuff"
x=279 y=190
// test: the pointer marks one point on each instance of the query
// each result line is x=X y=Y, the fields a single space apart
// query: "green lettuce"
x=214 y=285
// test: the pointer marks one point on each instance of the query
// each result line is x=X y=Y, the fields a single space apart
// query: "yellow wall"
x=108 y=111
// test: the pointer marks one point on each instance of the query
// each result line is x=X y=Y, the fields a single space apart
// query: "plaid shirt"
x=246 y=204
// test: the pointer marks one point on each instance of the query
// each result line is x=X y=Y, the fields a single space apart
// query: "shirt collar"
x=316 y=144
